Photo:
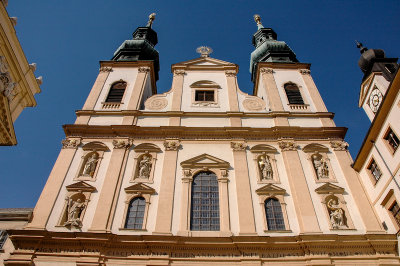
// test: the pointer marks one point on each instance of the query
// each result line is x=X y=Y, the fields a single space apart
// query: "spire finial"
x=204 y=51
x=257 y=19
x=152 y=17
x=362 y=48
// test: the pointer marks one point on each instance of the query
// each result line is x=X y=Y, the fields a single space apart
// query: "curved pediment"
x=204 y=84
x=315 y=147
x=95 y=146
x=260 y=148
x=143 y=147
x=205 y=160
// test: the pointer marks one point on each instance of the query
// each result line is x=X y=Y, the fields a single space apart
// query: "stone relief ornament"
x=287 y=145
x=230 y=73
x=70 y=143
x=145 y=166
x=120 y=144
x=74 y=209
x=320 y=166
x=143 y=69
x=171 y=145
x=7 y=86
x=105 y=69
x=156 y=102
x=339 y=145
x=238 y=146
x=178 y=72
x=336 y=214
x=267 y=70
x=265 y=167
x=90 y=165
x=253 y=104
x=305 y=71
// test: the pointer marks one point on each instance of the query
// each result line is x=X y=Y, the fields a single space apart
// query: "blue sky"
x=67 y=39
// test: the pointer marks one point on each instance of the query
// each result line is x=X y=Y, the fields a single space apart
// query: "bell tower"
x=379 y=71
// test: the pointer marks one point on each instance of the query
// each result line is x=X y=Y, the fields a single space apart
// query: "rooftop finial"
x=362 y=48
x=257 y=19
x=152 y=16
x=204 y=51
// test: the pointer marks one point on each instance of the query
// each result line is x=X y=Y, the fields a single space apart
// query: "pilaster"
x=303 y=204
x=137 y=94
x=111 y=186
x=366 y=210
x=167 y=188
x=232 y=97
x=243 y=190
x=177 y=88
x=47 y=199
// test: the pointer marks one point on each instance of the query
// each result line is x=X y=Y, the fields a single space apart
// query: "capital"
x=70 y=143
x=287 y=145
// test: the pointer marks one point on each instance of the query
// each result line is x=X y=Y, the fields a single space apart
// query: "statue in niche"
x=336 y=214
x=265 y=167
x=74 y=212
x=145 y=166
x=90 y=165
x=320 y=166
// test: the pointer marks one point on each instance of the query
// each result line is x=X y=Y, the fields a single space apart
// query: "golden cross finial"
x=152 y=17
x=257 y=19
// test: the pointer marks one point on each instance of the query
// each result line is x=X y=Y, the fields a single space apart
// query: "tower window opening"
x=390 y=68
x=116 y=92
x=392 y=139
x=293 y=93
x=375 y=171
x=204 y=96
x=3 y=238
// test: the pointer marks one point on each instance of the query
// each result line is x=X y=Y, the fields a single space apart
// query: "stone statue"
x=90 y=165
x=145 y=167
x=320 y=166
x=265 y=167
x=75 y=208
x=336 y=214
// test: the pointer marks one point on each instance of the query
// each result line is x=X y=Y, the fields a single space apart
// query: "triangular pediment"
x=270 y=189
x=328 y=188
x=205 y=61
x=205 y=160
x=140 y=187
x=80 y=186
x=7 y=133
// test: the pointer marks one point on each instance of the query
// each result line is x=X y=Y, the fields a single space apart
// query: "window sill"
x=205 y=233
x=278 y=231
x=133 y=230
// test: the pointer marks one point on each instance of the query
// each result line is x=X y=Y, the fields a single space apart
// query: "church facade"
x=204 y=173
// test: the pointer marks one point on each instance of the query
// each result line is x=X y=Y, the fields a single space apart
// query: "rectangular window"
x=392 y=139
x=3 y=238
x=395 y=210
x=204 y=96
x=375 y=171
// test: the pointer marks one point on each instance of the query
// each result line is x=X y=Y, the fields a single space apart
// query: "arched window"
x=204 y=213
x=135 y=215
x=293 y=93
x=116 y=92
x=273 y=212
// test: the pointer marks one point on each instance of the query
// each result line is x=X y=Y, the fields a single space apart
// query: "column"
x=275 y=100
x=103 y=215
x=137 y=94
x=367 y=212
x=243 y=190
x=232 y=97
x=303 y=204
x=167 y=188
x=47 y=199
x=177 y=88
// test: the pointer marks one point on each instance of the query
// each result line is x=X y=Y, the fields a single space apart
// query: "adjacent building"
x=378 y=161
x=18 y=84
x=204 y=173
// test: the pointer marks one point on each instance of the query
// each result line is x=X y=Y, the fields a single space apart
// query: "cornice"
x=205 y=114
x=196 y=133
x=378 y=122
x=75 y=244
